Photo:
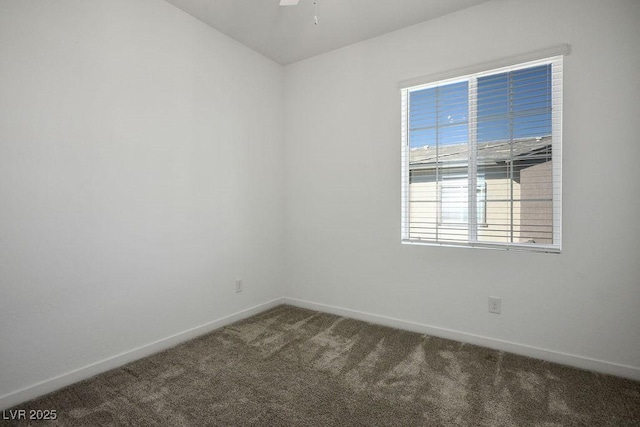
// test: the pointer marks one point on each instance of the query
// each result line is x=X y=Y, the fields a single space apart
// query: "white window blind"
x=481 y=158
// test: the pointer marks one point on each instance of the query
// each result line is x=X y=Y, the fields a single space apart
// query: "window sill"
x=497 y=246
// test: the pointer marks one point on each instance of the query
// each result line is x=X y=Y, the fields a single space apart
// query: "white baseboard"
x=60 y=381
x=511 y=347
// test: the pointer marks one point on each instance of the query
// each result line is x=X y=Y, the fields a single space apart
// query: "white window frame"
x=553 y=56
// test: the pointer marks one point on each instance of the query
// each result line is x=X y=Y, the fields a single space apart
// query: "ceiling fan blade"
x=288 y=2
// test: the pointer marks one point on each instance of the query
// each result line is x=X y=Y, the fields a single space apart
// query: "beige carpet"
x=290 y=366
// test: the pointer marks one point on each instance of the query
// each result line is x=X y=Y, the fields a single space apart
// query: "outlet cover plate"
x=495 y=305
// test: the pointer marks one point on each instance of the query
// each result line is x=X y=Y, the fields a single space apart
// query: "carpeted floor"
x=290 y=366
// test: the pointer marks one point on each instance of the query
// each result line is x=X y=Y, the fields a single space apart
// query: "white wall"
x=140 y=174
x=343 y=185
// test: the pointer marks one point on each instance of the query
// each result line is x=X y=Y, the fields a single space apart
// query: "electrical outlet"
x=495 y=305
x=238 y=285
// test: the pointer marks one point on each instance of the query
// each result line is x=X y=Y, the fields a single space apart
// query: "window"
x=481 y=158
x=454 y=208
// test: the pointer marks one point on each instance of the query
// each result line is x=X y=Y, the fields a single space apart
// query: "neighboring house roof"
x=521 y=151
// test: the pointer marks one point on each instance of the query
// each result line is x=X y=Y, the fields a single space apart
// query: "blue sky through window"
x=439 y=115
x=516 y=104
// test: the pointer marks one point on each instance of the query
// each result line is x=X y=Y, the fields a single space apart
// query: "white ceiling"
x=287 y=34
